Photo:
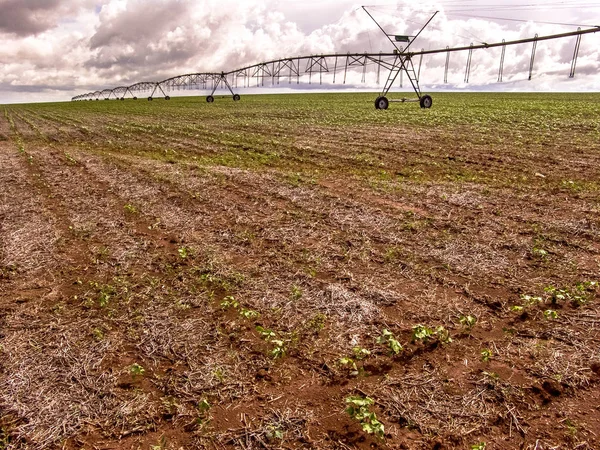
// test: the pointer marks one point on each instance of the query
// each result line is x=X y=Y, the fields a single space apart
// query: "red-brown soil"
x=140 y=254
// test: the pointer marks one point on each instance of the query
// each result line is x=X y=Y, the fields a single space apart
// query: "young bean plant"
x=387 y=338
x=358 y=409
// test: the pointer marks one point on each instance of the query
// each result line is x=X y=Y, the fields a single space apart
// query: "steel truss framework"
x=314 y=68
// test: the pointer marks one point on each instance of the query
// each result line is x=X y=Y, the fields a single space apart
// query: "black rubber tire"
x=382 y=103
x=426 y=101
x=210 y=99
x=236 y=97
x=150 y=99
x=167 y=98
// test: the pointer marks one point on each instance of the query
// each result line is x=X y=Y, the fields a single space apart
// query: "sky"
x=52 y=50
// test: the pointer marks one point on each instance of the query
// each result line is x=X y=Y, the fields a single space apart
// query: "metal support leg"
x=447 y=65
x=161 y=90
x=420 y=63
x=468 y=68
x=217 y=81
x=532 y=57
x=153 y=91
x=335 y=68
x=402 y=64
x=575 y=55
x=501 y=68
x=346 y=69
x=320 y=72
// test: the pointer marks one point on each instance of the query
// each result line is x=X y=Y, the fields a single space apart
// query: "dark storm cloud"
x=33 y=88
x=27 y=17
x=139 y=37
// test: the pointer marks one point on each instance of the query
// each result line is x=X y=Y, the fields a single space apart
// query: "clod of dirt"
x=546 y=398
x=125 y=382
x=263 y=374
x=125 y=385
x=552 y=388
x=378 y=367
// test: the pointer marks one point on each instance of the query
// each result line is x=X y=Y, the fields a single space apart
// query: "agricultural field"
x=301 y=272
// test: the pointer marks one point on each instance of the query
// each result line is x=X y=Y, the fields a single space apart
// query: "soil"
x=178 y=277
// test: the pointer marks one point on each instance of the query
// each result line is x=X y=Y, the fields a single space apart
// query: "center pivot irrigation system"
x=398 y=63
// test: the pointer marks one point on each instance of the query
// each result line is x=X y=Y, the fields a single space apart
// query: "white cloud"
x=70 y=47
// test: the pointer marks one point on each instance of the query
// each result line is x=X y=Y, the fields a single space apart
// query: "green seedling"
x=130 y=209
x=203 y=409
x=98 y=334
x=266 y=334
x=230 y=302
x=530 y=300
x=203 y=406
x=162 y=444
x=296 y=293
x=387 y=338
x=219 y=374
x=358 y=409
x=72 y=161
x=571 y=426
x=550 y=314
x=249 y=314
x=103 y=299
x=425 y=334
x=422 y=333
x=362 y=353
x=443 y=335
x=136 y=370
x=278 y=349
x=486 y=354
x=578 y=295
x=478 y=446
x=184 y=252
x=317 y=323
x=274 y=433
x=468 y=322
x=350 y=364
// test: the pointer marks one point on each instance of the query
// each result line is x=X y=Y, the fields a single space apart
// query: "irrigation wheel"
x=426 y=101
x=382 y=103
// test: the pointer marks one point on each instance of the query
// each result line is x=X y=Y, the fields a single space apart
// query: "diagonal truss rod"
x=221 y=79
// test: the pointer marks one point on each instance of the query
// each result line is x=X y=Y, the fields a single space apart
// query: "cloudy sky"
x=51 y=50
